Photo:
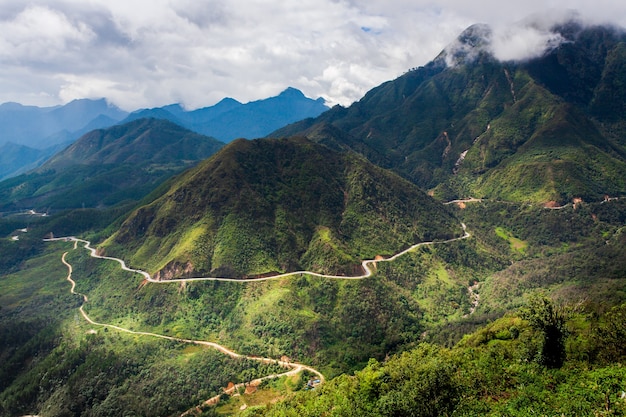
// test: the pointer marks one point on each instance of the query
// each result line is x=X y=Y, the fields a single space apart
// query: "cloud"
x=39 y=35
x=145 y=53
x=523 y=43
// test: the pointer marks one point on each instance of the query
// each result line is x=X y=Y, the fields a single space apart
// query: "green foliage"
x=264 y=206
x=108 y=167
x=549 y=320
x=547 y=129
x=417 y=383
x=610 y=335
x=491 y=373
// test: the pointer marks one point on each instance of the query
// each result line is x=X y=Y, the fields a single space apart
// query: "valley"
x=103 y=308
x=368 y=265
x=454 y=243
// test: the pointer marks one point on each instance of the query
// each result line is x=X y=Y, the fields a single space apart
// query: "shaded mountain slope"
x=279 y=205
x=550 y=128
x=105 y=167
x=17 y=159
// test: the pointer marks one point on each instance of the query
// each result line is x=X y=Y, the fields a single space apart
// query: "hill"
x=495 y=371
x=279 y=205
x=526 y=315
x=466 y=124
x=46 y=128
x=17 y=159
x=230 y=119
x=105 y=167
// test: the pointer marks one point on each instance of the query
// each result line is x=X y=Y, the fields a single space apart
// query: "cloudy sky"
x=147 y=53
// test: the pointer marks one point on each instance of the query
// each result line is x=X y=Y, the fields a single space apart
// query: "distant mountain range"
x=29 y=135
x=109 y=166
x=546 y=129
x=322 y=194
x=43 y=127
x=17 y=159
x=230 y=119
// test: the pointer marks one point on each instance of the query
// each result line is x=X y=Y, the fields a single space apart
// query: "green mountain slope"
x=493 y=372
x=546 y=129
x=105 y=167
x=542 y=130
x=279 y=205
x=17 y=159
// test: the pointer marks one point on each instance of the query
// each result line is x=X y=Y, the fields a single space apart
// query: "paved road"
x=368 y=265
x=293 y=366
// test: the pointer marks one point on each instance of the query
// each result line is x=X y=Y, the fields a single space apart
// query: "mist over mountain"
x=42 y=127
x=514 y=304
x=17 y=159
x=540 y=126
x=45 y=128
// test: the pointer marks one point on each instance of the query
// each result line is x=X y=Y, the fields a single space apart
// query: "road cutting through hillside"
x=368 y=266
x=295 y=367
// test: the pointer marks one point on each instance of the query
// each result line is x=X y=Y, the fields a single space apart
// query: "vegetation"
x=337 y=326
x=107 y=167
x=523 y=318
x=498 y=370
x=549 y=129
x=263 y=206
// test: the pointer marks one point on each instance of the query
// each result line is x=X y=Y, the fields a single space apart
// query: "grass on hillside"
x=517 y=245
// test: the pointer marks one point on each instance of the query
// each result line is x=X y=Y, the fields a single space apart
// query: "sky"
x=149 y=53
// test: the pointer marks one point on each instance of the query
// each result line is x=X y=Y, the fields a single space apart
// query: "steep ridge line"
x=366 y=264
x=295 y=367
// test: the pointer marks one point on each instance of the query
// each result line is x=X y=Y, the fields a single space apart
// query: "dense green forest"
x=546 y=359
x=522 y=316
x=517 y=349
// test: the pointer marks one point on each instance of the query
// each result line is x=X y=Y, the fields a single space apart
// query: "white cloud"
x=522 y=43
x=40 y=34
x=145 y=53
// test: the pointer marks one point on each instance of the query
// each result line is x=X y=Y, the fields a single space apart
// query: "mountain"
x=230 y=119
x=42 y=127
x=265 y=206
x=526 y=313
x=17 y=159
x=107 y=166
x=466 y=124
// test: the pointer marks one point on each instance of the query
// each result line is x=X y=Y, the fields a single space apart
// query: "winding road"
x=295 y=368
x=368 y=266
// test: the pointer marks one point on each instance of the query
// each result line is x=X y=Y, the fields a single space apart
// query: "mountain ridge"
x=426 y=124
x=107 y=166
x=44 y=127
x=278 y=205
x=229 y=119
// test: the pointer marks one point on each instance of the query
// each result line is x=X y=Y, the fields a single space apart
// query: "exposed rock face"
x=174 y=270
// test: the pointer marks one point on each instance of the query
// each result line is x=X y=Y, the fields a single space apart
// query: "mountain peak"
x=469 y=45
x=527 y=39
x=291 y=92
x=228 y=101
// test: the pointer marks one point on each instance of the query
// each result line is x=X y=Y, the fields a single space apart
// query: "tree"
x=549 y=320
x=610 y=336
